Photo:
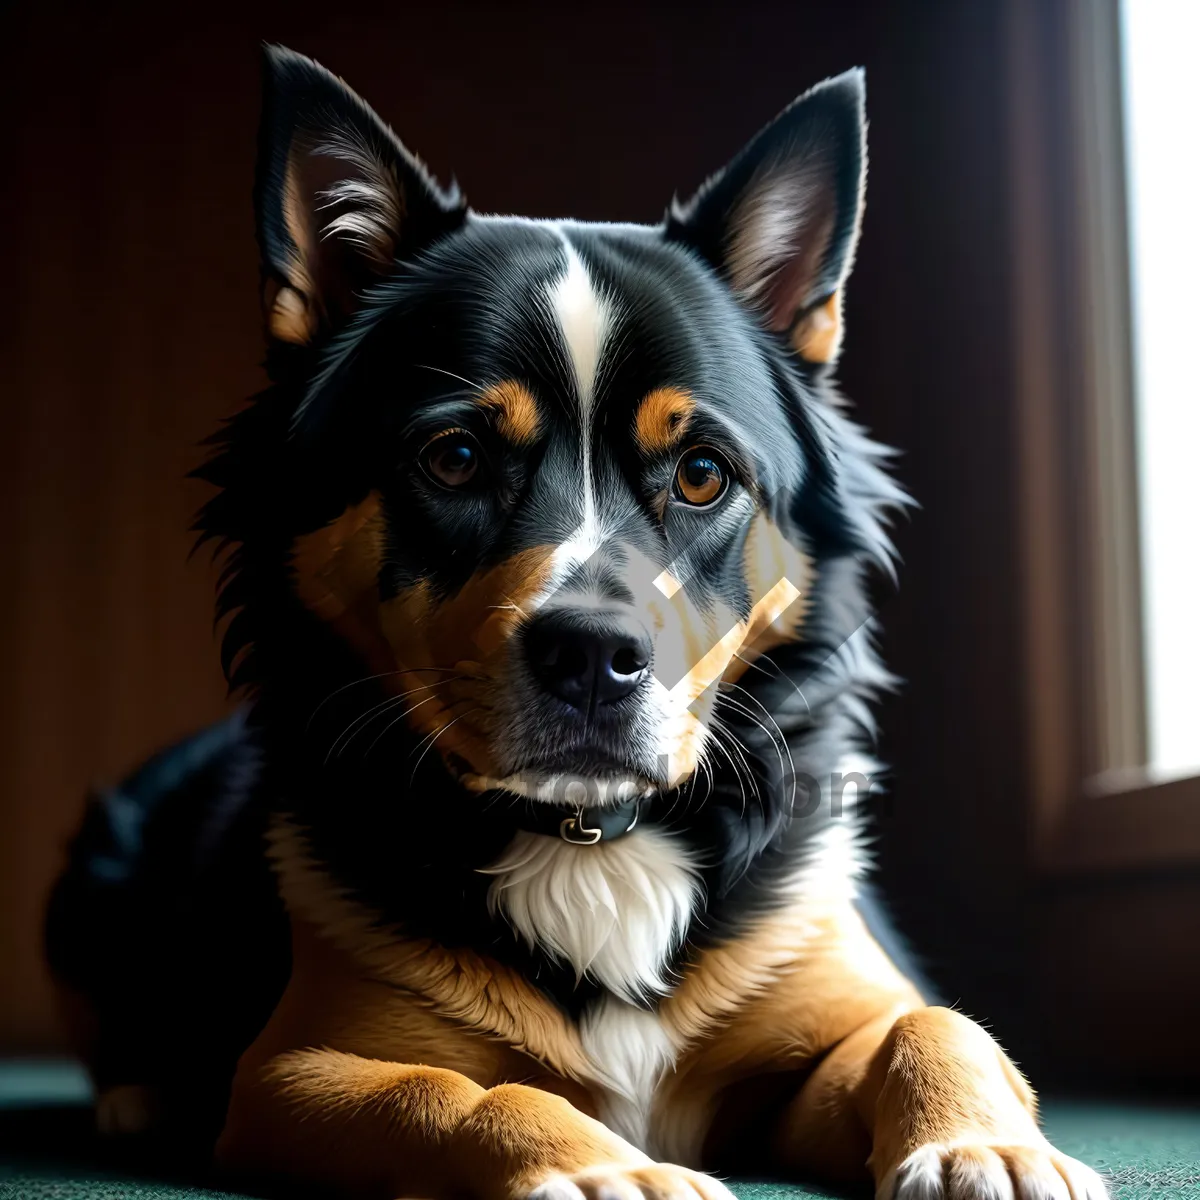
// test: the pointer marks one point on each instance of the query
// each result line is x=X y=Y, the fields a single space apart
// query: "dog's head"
x=574 y=478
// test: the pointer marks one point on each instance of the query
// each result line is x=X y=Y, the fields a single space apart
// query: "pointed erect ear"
x=338 y=198
x=780 y=222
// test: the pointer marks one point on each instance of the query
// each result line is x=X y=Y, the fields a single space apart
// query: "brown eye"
x=700 y=477
x=452 y=458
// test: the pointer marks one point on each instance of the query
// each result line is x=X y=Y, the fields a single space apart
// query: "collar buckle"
x=573 y=829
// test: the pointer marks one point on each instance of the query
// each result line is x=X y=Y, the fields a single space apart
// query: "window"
x=1162 y=115
x=1105 y=106
x=1107 y=250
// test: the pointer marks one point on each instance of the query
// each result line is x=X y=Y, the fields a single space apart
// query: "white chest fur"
x=629 y=1051
x=614 y=912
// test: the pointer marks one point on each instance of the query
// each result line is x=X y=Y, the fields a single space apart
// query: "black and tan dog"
x=548 y=554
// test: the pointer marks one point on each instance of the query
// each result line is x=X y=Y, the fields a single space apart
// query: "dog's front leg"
x=946 y=1114
x=366 y=1128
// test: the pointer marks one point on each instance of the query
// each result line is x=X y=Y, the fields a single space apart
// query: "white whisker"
x=438 y=734
x=461 y=378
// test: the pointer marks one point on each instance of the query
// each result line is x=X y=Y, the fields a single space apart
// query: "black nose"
x=586 y=659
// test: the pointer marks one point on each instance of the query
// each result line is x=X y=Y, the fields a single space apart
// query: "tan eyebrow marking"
x=516 y=411
x=662 y=419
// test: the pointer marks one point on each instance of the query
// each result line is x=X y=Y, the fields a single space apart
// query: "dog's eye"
x=700 y=477
x=452 y=458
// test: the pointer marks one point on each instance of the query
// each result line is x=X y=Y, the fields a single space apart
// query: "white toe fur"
x=983 y=1172
x=918 y=1177
x=557 y=1188
x=652 y=1181
x=977 y=1174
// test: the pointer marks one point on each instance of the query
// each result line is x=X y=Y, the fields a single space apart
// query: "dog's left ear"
x=339 y=199
x=781 y=221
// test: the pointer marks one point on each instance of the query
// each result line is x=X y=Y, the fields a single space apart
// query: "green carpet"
x=48 y=1152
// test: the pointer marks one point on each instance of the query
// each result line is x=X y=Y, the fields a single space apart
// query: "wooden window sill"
x=1127 y=822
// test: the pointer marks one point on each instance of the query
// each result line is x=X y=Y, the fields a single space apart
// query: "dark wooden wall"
x=130 y=326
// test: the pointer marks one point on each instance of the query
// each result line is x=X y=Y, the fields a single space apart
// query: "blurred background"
x=1021 y=323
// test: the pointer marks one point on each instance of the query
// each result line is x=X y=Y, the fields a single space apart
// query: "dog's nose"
x=586 y=659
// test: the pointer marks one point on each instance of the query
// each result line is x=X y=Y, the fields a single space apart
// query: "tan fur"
x=338 y=191
x=939 y=1078
x=817 y=337
x=662 y=419
x=441 y=1073
x=473 y=993
x=337 y=565
x=389 y=1067
x=414 y=641
x=893 y=1076
x=294 y=312
x=373 y=1128
x=791 y=985
x=515 y=409
x=289 y=317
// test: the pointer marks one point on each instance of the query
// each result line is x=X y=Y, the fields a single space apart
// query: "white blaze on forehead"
x=583 y=314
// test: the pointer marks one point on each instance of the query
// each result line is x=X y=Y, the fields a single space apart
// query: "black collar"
x=578 y=826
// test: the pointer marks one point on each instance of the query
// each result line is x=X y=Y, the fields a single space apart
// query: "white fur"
x=630 y=1052
x=613 y=911
x=583 y=314
x=918 y=1177
x=371 y=198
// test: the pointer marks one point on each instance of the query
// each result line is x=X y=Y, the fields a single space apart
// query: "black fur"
x=166 y=923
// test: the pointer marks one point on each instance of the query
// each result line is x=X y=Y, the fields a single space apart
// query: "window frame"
x=1113 y=854
x=1095 y=803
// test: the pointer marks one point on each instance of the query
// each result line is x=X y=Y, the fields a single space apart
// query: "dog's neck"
x=441 y=861
x=580 y=826
x=614 y=912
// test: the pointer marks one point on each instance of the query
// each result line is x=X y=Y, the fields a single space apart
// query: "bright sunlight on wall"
x=1162 y=113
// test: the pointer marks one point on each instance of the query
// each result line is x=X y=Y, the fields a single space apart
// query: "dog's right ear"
x=781 y=221
x=339 y=200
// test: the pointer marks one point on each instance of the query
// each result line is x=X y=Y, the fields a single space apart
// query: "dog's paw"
x=655 y=1181
x=983 y=1172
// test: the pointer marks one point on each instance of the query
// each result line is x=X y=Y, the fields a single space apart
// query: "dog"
x=527 y=875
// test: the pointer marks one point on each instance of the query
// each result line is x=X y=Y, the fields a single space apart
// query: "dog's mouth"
x=580 y=779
